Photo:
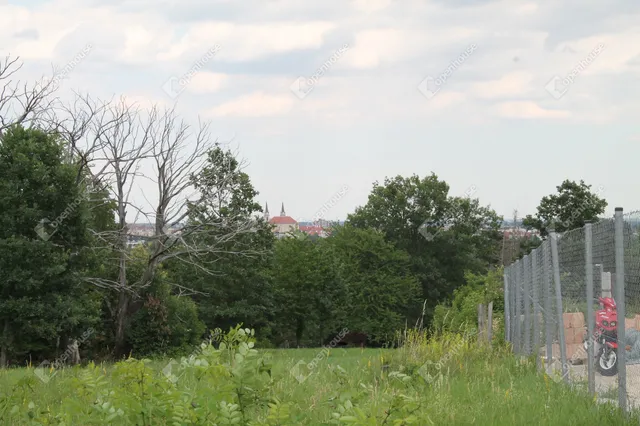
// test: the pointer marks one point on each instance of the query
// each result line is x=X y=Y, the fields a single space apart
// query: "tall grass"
x=431 y=379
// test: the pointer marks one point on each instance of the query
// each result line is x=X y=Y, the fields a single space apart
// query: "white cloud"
x=137 y=38
x=374 y=47
x=526 y=110
x=525 y=8
x=246 y=42
x=370 y=6
x=144 y=101
x=258 y=104
x=207 y=82
x=446 y=99
x=512 y=84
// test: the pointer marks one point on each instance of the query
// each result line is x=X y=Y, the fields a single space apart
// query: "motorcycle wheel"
x=607 y=362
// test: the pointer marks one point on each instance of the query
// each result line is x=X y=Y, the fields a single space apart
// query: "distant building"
x=283 y=223
x=315 y=230
x=510 y=233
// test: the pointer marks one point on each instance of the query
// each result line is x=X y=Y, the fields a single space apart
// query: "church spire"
x=282 y=213
x=266 y=212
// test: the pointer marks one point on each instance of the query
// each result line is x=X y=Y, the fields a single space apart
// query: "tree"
x=381 y=290
x=444 y=236
x=238 y=290
x=123 y=141
x=163 y=323
x=570 y=208
x=43 y=228
x=309 y=291
x=21 y=104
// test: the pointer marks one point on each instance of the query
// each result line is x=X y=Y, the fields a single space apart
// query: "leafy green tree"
x=572 y=206
x=43 y=228
x=381 y=290
x=444 y=236
x=309 y=291
x=232 y=285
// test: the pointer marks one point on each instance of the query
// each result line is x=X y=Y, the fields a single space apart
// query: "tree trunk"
x=299 y=331
x=121 y=321
x=5 y=344
x=74 y=357
x=122 y=310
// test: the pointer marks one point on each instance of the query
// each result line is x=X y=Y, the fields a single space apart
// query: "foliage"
x=309 y=291
x=371 y=276
x=234 y=286
x=570 y=208
x=462 y=313
x=460 y=234
x=381 y=291
x=43 y=227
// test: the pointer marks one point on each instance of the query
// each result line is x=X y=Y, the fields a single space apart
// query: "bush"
x=163 y=326
x=462 y=313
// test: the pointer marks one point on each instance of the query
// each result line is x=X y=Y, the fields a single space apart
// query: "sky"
x=507 y=98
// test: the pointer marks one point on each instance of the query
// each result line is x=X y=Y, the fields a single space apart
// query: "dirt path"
x=607 y=387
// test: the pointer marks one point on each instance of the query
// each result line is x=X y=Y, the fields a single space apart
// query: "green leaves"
x=572 y=205
x=43 y=232
x=463 y=235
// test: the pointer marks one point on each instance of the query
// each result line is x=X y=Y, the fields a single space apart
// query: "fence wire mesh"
x=563 y=300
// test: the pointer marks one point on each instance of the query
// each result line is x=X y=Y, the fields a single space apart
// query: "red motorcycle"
x=606 y=336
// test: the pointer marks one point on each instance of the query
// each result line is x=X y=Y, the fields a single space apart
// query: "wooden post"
x=489 y=322
x=480 y=324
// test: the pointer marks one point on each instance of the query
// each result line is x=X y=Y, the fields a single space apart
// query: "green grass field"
x=470 y=386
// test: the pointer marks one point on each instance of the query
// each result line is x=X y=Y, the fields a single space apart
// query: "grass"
x=465 y=385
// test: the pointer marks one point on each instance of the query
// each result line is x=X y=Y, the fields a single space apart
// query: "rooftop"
x=282 y=220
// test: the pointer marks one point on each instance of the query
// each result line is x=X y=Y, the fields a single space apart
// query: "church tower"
x=282 y=213
x=266 y=212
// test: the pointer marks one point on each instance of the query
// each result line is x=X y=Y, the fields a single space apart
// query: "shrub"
x=462 y=313
x=168 y=325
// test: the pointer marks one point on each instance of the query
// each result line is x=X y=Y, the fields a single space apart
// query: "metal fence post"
x=553 y=237
x=535 y=277
x=527 y=303
x=620 y=305
x=507 y=308
x=588 y=265
x=518 y=313
x=548 y=317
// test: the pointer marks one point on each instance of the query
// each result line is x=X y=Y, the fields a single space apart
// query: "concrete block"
x=577 y=335
x=566 y=319
x=577 y=320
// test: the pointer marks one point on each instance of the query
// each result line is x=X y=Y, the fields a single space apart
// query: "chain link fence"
x=574 y=303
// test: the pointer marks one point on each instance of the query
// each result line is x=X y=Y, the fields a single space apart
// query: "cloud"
x=376 y=47
x=446 y=99
x=143 y=101
x=249 y=42
x=370 y=6
x=527 y=110
x=207 y=82
x=509 y=85
x=258 y=104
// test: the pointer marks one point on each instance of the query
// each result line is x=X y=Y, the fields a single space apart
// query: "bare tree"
x=20 y=102
x=123 y=140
